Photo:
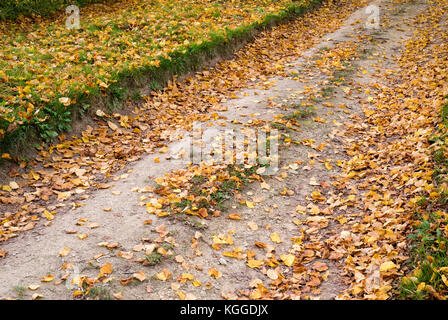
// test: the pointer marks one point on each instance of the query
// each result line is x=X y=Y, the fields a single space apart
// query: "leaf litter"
x=372 y=195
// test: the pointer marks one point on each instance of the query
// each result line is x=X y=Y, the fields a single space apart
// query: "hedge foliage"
x=12 y=9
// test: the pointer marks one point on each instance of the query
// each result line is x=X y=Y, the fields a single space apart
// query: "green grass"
x=327 y=91
x=429 y=241
x=280 y=126
x=302 y=113
x=99 y=293
x=153 y=258
x=338 y=77
x=20 y=291
x=231 y=179
x=429 y=254
x=440 y=152
x=191 y=221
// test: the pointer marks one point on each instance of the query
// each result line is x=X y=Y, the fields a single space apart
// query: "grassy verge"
x=33 y=110
x=429 y=260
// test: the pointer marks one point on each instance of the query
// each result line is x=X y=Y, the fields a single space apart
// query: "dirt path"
x=321 y=93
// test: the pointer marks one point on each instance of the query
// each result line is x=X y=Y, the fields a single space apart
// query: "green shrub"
x=12 y=9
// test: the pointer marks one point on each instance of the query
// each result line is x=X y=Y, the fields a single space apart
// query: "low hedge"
x=12 y=9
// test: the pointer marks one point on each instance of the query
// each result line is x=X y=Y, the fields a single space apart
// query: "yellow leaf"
x=421 y=286
x=181 y=295
x=255 y=263
x=196 y=283
x=112 y=125
x=33 y=287
x=47 y=278
x=250 y=204
x=387 y=266
x=48 y=215
x=62 y=196
x=212 y=272
x=77 y=293
x=222 y=239
x=288 y=259
x=317 y=195
x=64 y=252
x=163 y=150
x=36 y=296
x=188 y=276
x=14 y=185
x=106 y=269
x=314 y=210
x=163 y=275
x=234 y=216
x=65 y=101
x=272 y=274
x=252 y=226
x=264 y=185
x=275 y=237
x=445 y=280
x=356 y=290
x=125 y=255
x=203 y=213
x=140 y=276
x=102 y=84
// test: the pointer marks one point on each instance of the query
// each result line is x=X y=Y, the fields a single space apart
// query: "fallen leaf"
x=163 y=275
x=275 y=237
x=288 y=259
x=387 y=266
x=234 y=216
x=112 y=125
x=212 y=272
x=36 y=296
x=47 y=278
x=272 y=274
x=250 y=204
x=106 y=269
x=33 y=287
x=140 y=276
x=255 y=263
x=64 y=252
x=252 y=226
